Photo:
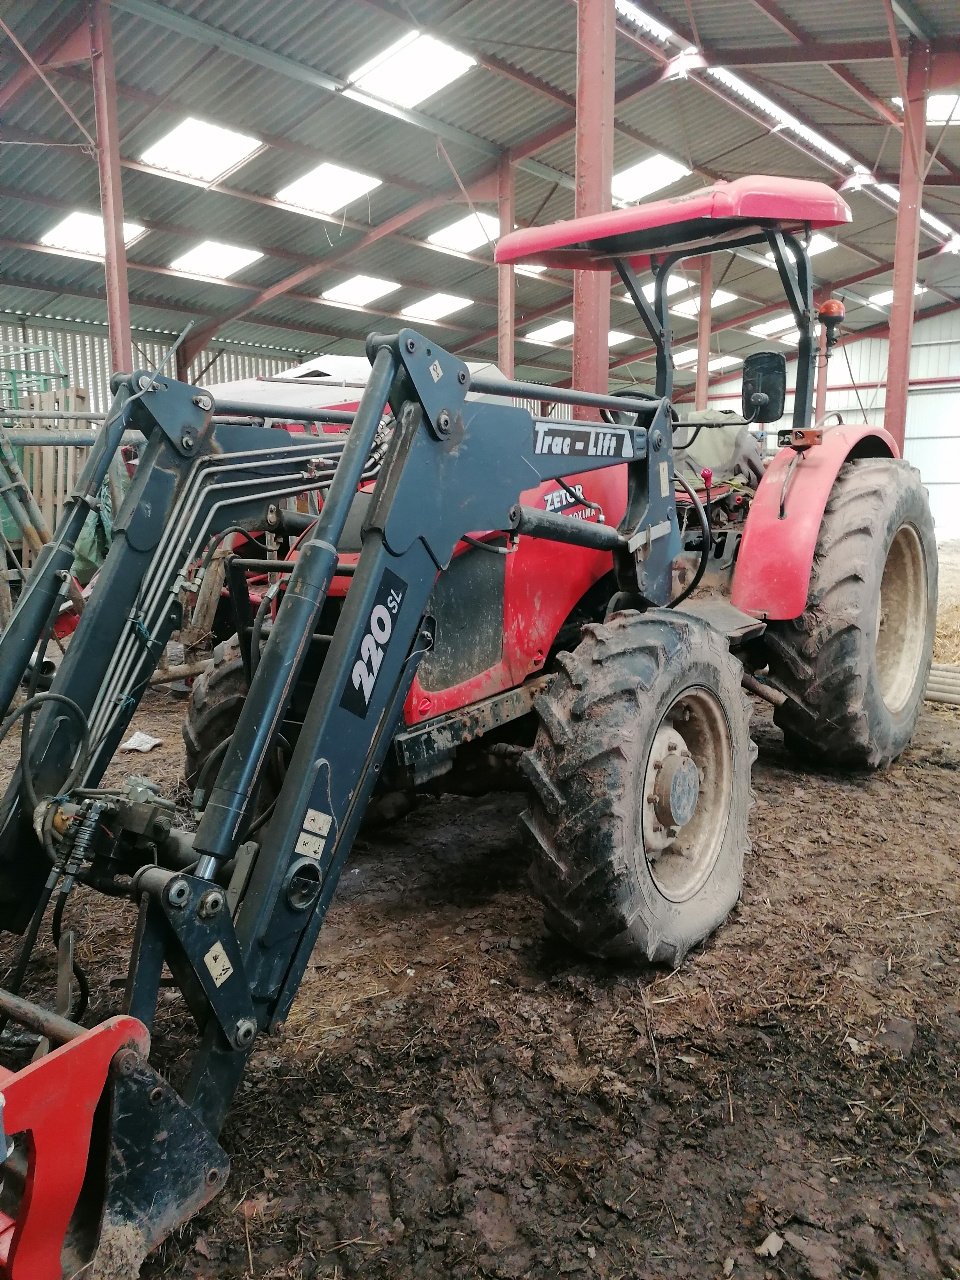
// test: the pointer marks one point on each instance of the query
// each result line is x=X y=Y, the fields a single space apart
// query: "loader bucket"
x=101 y=1158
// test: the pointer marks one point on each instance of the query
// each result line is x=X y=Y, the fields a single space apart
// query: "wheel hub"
x=687 y=789
x=673 y=789
x=676 y=790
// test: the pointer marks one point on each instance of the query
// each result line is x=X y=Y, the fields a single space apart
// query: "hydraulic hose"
x=705 y=540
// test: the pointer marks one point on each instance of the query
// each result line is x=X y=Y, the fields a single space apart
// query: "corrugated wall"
x=856 y=389
x=86 y=358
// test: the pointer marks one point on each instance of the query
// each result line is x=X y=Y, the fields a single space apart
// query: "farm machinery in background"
x=479 y=580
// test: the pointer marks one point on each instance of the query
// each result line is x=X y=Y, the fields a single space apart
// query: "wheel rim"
x=901 y=618
x=687 y=787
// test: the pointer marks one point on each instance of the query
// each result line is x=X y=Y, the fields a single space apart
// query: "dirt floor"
x=458 y=1095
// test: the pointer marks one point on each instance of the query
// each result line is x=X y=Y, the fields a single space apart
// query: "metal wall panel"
x=86 y=358
x=933 y=410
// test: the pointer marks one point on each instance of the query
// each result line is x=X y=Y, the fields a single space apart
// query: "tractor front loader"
x=102 y=1158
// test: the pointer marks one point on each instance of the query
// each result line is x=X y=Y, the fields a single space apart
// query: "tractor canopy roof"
x=701 y=220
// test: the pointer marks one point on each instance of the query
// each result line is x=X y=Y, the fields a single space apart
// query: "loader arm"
x=233 y=918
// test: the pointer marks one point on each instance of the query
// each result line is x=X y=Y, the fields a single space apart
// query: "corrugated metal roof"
x=735 y=23
x=166 y=75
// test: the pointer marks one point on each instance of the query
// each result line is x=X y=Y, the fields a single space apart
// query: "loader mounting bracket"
x=193 y=931
x=174 y=408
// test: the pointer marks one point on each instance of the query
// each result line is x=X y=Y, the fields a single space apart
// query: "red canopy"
x=696 y=220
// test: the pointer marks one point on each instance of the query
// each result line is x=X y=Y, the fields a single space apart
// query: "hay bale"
x=946 y=645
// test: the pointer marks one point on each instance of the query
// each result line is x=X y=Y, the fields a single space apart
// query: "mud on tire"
x=615 y=877
x=855 y=663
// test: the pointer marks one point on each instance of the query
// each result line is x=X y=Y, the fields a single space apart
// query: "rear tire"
x=211 y=717
x=642 y=700
x=854 y=665
x=213 y=709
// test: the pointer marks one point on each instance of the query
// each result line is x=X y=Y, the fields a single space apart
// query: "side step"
x=737 y=626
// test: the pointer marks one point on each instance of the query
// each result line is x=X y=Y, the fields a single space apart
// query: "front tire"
x=854 y=665
x=641 y=774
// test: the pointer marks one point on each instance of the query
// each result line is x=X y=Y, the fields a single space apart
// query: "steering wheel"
x=624 y=417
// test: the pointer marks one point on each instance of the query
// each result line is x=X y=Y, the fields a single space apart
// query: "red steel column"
x=506 y=280
x=111 y=190
x=596 y=76
x=906 y=247
x=704 y=321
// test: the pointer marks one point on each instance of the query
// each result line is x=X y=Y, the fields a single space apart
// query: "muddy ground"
x=458 y=1095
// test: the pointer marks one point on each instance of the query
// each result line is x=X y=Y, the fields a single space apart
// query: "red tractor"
x=483 y=583
x=830 y=611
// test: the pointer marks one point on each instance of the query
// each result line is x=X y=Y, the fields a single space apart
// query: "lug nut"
x=127 y=1062
x=244 y=1033
x=210 y=904
x=178 y=893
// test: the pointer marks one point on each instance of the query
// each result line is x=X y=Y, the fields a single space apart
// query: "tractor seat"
x=726 y=209
x=720 y=441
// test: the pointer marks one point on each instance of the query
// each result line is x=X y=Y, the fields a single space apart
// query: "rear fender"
x=772 y=576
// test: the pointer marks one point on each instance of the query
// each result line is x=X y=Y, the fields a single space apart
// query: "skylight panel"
x=327 y=188
x=81 y=232
x=690 y=307
x=360 y=291
x=942 y=108
x=885 y=296
x=675 y=285
x=467 y=233
x=819 y=243
x=633 y=13
x=216 y=259
x=936 y=224
x=411 y=70
x=783 y=119
x=646 y=177
x=435 y=307
x=200 y=150
x=616 y=338
x=723 y=362
x=555 y=331
x=530 y=269
x=685 y=357
x=778 y=324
